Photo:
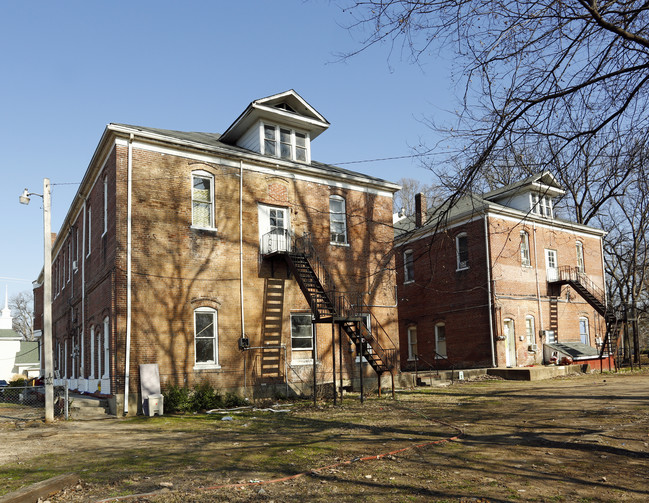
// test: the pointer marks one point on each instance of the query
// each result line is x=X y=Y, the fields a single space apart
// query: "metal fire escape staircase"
x=327 y=304
x=596 y=297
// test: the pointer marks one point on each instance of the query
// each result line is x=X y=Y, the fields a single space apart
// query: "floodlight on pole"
x=47 y=295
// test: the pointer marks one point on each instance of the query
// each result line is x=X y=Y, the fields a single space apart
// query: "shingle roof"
x=28 y=353
x=9 y=334
x=211 y=140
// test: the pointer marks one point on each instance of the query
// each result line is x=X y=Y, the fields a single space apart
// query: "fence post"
x=67 y=401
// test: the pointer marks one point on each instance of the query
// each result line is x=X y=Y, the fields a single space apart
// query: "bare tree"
x=405 y=198
x=22 y=310
x=626 y=249
x=532 y=71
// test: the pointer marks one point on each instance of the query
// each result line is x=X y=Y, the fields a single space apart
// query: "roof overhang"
x=303 y=116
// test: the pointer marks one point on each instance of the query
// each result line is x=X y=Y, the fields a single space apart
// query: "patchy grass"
x=577 y=439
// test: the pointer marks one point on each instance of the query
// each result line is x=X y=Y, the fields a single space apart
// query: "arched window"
x=106 y=348
x=462 y=251
x=584 y=332
x=580 y=256
x=206 y=336
x=525 y=249
x=92 y=352
x=412 y=342
x=202 y=200
x=337 y=220
x=440 y=340
x=408 y=267
x=529 y=330
x=105 y=205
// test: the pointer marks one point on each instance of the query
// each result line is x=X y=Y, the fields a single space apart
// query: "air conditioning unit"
x=75 y=265
x=533 y=347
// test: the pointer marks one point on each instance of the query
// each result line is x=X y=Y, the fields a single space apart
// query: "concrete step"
x=86 y=407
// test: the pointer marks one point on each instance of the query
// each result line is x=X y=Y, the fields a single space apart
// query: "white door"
x=551 y=267
x=273 y=229
x=510 y=341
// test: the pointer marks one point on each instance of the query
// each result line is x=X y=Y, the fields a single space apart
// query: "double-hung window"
x=462 y=250
x=337 y=220
x=408 y=267
x=525 y=249
x=412 y=343
x=202 y=200
x=440 y=340
x=529 y=330
x=206 y=336
x=580 y=256
x=301 y=332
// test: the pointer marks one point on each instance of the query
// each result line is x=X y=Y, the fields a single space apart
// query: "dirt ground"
x=575 y=439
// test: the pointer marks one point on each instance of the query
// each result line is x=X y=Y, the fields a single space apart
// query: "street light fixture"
x=47 y=295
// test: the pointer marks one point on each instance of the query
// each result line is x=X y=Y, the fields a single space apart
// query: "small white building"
x=17 y=356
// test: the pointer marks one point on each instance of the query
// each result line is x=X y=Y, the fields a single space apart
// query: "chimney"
x=420 y=209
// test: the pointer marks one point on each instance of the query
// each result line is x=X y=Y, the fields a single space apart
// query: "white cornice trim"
x=277 y=167
x=509 y=214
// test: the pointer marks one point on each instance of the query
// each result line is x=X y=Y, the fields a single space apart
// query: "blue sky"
x=69 y=68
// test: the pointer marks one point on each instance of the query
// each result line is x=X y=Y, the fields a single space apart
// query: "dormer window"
x=541 y=205
x=285 y=143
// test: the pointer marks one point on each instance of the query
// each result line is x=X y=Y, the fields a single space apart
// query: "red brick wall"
x=441 y=293
x=459 y=299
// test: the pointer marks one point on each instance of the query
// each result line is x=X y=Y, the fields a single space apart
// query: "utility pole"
x=47 y=295
x=47 y=302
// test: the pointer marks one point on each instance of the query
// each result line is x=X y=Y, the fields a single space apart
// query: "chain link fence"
x=27 y=403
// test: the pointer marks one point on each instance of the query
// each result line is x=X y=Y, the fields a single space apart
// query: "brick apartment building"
x=218 y=257
x=497 y=280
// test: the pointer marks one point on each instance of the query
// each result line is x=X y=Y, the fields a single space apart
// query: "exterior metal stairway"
x=596 y=297
x=329 y=305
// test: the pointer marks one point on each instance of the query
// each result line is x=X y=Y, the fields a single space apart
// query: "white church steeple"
x=6 y=319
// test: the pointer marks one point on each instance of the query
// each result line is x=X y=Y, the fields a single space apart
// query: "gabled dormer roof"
x=287 y=108
x=542 y=183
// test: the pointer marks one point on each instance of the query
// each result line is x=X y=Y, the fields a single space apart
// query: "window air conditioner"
x=533 y=347
x=75 y=265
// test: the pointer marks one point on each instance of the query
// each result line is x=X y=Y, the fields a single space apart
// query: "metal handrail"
x=283 y=240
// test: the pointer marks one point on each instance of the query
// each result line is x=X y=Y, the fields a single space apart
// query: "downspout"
x=129 y=215
x=83 y=283
x=491 y=321
x=243 y=325
x=538 y=287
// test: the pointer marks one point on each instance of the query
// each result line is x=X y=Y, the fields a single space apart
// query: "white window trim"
x=579 y=249
x=204 y=174
x=460 y=266
x=541 y=205
x=92 y=353
x=105 y=230
x=438 y=355
x=527 y=318
x=525 y=246
x=406 y=279
x=106 y=348
x=89 y=225
x=278 y=143
x=344 y=220
x=411 y=357
x=208 y=365
x=305 y=314
x=587 y=328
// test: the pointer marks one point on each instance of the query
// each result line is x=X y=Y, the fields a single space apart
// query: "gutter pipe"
x=129 y=216
x=491 y=324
